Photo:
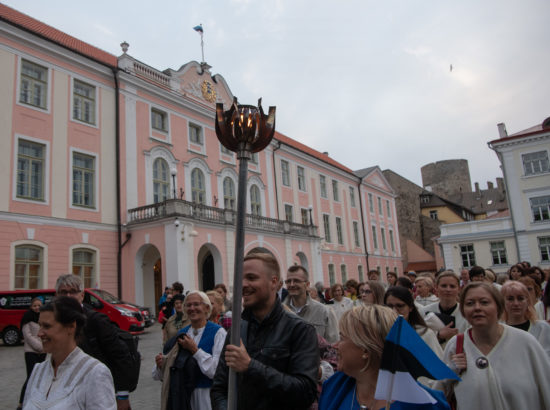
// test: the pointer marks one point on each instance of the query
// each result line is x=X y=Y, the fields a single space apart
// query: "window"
x=285 y=172
x=361 y=273
x=498 y=252
x=374 y=238
x=305 y=216
x=544 y=248
x=383 y=238
x=30 y=170
x=433 y=215
x=344 y=272
x=226 y=151
x=424 y=199
x=380 y=205
x=228 y=193
x=161 y=184
x=352 y=196
x=254 y=158
x=323 y=185
x=371 y=203
x=301 y=179
x=356 y=233
x=540 y=207
x=392 y=243
x=378 y=269
x=535 y=163
x=159 y=120
x=331 y=278
x=388 y=212
x=28 y=267
x=83 y=102
x=33 y=89
x=326 y=224
x=83 y=180
x=195 y=134
x=255 y=201
x=335 y=190
x=468 y=255
x=339 y=230
x=84 y=266
x=288 y=213
x=198 y=192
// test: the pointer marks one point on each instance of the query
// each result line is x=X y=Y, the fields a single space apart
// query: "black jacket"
x=101 y=340
x=284 y=367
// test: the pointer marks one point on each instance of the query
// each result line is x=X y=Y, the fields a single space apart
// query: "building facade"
x=524 y=159
x=115 y=173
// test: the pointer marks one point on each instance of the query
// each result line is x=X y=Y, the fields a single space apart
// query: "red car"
x=14 y=303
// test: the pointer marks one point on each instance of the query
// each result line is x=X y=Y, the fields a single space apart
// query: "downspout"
x=275 y=176
x=499 y=155
x=118 y=206
x=363 y=223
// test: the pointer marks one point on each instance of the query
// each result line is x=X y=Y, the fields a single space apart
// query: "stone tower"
x=447 y=178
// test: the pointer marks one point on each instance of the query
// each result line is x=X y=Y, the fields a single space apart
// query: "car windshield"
x=106 y=296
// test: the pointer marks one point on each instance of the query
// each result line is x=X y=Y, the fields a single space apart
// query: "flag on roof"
x=198 y=28
x=405 y=358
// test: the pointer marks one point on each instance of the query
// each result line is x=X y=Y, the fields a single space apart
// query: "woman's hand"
x=188 y=344
x=459 y=360
x=447 y=332
x=159 y=359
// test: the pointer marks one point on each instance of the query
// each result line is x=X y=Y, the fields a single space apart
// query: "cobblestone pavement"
x=146 y=396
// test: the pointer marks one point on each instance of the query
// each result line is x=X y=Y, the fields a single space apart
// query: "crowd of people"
x=303 y=346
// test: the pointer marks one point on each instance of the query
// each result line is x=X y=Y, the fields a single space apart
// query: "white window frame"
x=305 y=216
x=380 y=210
x=352 y=196
x=44 y=270
x=255 y=206
x=255 y=180
x=541 y=204
x=371 y=203
x=301 y=176
x=161 y=182
x=392 y=241
x=331 y=274
x=498 y=252
x=94 y=155
x=150 y=157
x=285 y=172
x=543 y=163
x=166 y=117
x=335 y=193
x=544 y=248
x=229 y=197
x=46 y=170
x=198 y=131
x=289 y=213
x=194 y=189
x=339 y=231
x=374 y=237
x=356 y=238
x=326 y=227
x=48 y=87
x=360 y=273
x=323 y=186
x=344 y=273
x=388 y=209
x=433 y=214
x=88 y=83
x=88 y=248
x=383 y=239
x=469 y=254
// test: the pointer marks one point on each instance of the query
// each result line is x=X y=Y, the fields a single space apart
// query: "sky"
x=369 y=82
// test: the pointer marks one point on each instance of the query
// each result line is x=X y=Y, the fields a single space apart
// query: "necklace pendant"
x=482 y=363
x=195 y=332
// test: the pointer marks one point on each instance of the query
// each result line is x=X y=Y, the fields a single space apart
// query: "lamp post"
x=243 y=129
x=310 y=208
x=173 y=172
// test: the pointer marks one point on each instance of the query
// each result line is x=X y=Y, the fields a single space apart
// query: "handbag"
x=451 y=398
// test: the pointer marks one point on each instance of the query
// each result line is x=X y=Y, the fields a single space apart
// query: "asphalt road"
x=146 y=396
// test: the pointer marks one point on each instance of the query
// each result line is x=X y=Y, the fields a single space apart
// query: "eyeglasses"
x=397 y=306
x=67 y=292
x=365 y=291
x=291 y=281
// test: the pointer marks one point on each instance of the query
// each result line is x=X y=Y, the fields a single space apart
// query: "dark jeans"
x=30 y=360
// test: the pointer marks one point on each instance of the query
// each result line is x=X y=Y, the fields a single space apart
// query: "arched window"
x=161 y=180
x=228 y=193
x=255 y=201
x=84 y=266
x=197 y=186
x=28 y=267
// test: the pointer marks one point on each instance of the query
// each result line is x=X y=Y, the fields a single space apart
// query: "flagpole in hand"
x=394 y=364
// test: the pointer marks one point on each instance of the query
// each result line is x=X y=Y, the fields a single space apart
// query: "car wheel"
x=11 y=336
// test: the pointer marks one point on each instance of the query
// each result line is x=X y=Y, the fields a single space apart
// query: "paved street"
x=146 y=397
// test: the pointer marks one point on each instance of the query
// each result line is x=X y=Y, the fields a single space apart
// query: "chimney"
x=502 y=130
x=489 y=185
x=325 y=153
x=477 y=187
x=500 y=184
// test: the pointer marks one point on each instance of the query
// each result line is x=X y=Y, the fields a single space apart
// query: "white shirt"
x=81 y=382
x=340 y=307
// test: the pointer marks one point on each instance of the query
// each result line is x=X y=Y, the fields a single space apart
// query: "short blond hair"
x=217 y=297
x=447 y=274
x=367 y=327
x=512 y=285
x=427 y=280
x=270 y=262
x=204 y=298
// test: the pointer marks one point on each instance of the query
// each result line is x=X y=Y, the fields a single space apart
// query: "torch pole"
x=243 y=157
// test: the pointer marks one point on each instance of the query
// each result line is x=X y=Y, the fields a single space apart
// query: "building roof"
x=483 y=201
x=43 y=30
x=361 y=173
x=543 y=127
x=310 y=151
x=436 y=200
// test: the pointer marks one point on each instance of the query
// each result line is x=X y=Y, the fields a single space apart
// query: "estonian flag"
x=198 y=28
x=405 y=358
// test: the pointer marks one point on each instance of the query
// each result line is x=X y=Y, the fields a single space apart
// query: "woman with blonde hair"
x=501 y=367
x=519 y=313
x=424 y=291
x=363 y=331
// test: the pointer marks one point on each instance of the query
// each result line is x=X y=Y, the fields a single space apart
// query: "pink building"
x=138 y=197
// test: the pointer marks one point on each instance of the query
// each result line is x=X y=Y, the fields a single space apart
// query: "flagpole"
x=202 y=46
x=393 y=365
